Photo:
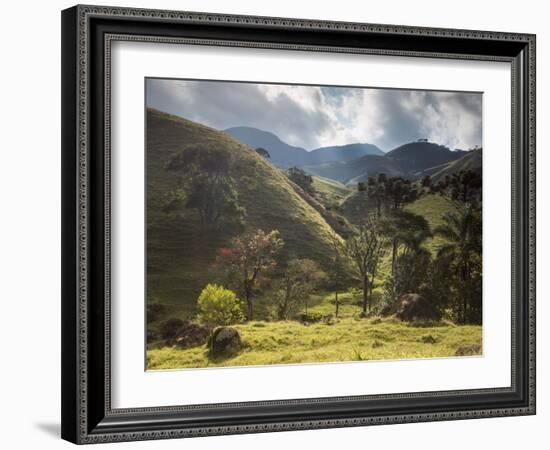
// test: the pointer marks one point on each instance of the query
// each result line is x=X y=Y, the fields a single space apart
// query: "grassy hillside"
x=433 y=207
x=179 y=259
x=418 y=156
x=347 y=339
x=355 y=170
x=471 y=161
x=330 y=191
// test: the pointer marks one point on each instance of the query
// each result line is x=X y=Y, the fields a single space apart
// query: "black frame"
x=87 y=32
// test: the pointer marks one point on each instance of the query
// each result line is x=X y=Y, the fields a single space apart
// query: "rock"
x=412 y=307
x=191 y=334
x=169 y=328
x=468 y=350
x=328 y=319
x=225 y=341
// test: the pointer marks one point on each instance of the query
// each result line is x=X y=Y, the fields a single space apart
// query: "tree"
x=219 y=306
x=406 y=229
x=376 y=189
x=427 y=182
x=302 y=179
x=463 y=186
x=365 y=248
x=336 y=267
x=410 y=275
x=206 y=185
x=463 y=233
x=300 y=277
x=262 y=152
x=250 y=254
x=399 y=191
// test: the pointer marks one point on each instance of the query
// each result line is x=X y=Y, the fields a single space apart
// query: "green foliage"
x=208 y=187
x=365 y=248
x=299 y=279
x=410 y=275
x=250 y=254
x=219 y=306
x=428 y=339
x=309 y=317
x=262 y=152
x=302 y=179
x=464 y=186
x=462 y=255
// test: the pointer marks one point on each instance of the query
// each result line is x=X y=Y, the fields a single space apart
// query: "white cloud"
x=311 y=117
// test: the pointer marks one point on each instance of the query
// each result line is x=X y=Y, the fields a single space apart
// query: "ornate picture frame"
x=87 y=36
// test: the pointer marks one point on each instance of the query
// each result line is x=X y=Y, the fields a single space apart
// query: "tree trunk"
x=365 y=292
x=336 y=303
x=393 y=256
x=248 y=306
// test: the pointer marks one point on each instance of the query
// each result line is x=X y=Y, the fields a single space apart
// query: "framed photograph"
x=280 y=224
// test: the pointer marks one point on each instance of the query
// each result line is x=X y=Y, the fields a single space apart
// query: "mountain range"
x=284 y=155
x=353 y=163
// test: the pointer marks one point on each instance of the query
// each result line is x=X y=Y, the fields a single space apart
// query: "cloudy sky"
x=312 y=117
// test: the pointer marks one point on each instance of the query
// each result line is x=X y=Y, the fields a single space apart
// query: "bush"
x=309 y=317
x=428 y=339
x=219 y=306
x=169 y=328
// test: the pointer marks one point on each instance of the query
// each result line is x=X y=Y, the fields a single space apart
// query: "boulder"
x=191 y=334
x=468 y=350
x=413 y=307
x=225 y=341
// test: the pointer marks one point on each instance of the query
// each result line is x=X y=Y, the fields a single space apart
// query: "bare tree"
x=365 y=248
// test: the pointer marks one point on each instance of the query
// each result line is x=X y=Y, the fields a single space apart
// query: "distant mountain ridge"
x=285 y=155
x=354 y=163
x=281 y=153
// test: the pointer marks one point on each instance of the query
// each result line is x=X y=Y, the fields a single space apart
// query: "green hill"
x=418 y=156
x=350 y=172
x=470 y=161
x=179 y=258
x=431 y=206
x=330 y=191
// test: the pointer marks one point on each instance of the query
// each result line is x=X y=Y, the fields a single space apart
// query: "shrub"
x=169 y=328
x=428 y=339
x=219 y=306
x=309 y=317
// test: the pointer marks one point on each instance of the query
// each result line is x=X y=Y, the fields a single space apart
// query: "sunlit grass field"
x=347 y=339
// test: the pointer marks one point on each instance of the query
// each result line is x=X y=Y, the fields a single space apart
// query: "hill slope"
x=418 y=156
x=178 y=259
x=470 y=161
x=356 y=170
x=342 y=153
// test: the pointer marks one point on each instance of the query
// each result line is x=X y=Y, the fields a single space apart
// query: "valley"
x=276 y=232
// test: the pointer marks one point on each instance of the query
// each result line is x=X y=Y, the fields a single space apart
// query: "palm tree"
x=407 y=230
x=462 y=231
